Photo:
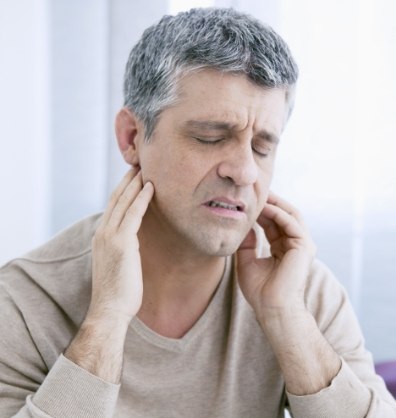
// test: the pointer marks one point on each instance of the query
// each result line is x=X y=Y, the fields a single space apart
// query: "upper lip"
x=239 y=204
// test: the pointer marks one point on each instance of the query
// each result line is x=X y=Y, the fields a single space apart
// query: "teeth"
x=214 y=204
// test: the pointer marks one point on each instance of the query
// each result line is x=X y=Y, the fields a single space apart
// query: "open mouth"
x=223 y=205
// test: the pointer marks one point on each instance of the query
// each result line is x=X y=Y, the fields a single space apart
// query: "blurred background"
x=61 y=71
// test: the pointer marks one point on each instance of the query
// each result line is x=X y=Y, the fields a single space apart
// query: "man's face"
x=211 y=160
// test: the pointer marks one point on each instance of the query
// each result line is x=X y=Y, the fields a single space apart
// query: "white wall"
x=79 y=70
x=61 y=72
x=25 y=118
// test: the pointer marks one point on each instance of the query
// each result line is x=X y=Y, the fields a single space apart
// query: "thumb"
x=247 y=250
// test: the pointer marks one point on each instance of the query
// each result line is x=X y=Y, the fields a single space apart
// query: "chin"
x=210 y=240
x=220 y=248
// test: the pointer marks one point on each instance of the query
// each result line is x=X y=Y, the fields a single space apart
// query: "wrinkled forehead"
x=215 y=100
x=200 y=79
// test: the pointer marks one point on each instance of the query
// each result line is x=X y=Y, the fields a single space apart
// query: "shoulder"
x=72 y=242
x=328 y=300
x=56 y=273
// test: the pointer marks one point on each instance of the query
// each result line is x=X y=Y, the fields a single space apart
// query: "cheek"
x=262 y=199
x=262 y=188
x=171 y=178
x=155 y=167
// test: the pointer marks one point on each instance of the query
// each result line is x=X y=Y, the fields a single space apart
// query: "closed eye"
x=261 y=147
x=209 y=140
x=261 y=154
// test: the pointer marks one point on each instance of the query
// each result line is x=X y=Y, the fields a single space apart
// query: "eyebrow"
x=224 y=126
x=208 y=124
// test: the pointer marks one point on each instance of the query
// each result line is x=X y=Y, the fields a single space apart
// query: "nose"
x=239 y=165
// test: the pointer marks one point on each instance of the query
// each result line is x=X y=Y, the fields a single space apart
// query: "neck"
x=178 y=283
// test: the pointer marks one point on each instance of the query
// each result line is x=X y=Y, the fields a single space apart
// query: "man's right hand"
x=117 y=287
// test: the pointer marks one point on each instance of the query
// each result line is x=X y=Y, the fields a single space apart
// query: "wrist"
x=307 y=360
x=288 y=327
x=98 y=346
x=281 y=317
x=105 y=317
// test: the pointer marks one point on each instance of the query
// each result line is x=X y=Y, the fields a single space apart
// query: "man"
x=199 y=295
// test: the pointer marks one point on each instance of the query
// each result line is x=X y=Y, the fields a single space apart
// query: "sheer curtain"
x=61 y=84
x=338 y=157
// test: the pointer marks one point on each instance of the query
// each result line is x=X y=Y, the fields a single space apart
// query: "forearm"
x=99 y=346
x=307 y=360
x=117 y=285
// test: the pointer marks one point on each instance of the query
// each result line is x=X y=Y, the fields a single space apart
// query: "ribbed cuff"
x=69 y=391
x=345 y=397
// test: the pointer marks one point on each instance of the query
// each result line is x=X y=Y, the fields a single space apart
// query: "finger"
x=117 y=193
x=125 y=201
x=276 y=200
x=250 y=241
x=286 y=223
x=134 y=215
x=247 y=250
x=271 y=229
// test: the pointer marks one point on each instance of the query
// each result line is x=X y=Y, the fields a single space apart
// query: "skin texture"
x=159 y=251
x=187 y=173
x=116 y=272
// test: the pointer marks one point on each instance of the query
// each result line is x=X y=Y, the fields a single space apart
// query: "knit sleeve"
x=30 y=388
x=356 y=391
x=70 y=391
x=347 y=396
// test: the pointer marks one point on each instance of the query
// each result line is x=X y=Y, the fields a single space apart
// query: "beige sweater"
x=223 y=367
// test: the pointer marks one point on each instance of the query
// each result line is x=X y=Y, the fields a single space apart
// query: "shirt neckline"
x=179 y=344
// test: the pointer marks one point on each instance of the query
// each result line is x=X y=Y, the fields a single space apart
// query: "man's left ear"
x=129 y=131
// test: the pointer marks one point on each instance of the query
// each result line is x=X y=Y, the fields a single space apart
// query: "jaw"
x=191 y=238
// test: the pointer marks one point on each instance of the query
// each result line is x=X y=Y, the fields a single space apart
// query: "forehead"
x=210 y=95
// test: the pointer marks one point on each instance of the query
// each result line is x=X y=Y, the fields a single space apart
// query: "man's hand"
x=275 y=287
x=117 y=287
x=278 y=281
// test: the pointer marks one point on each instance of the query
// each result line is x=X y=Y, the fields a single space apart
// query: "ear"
x=129 y=131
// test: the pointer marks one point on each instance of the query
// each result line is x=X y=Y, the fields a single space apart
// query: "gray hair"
x=221 y=39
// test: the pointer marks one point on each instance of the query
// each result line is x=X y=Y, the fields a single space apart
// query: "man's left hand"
x=275 y=287
x=276 y=282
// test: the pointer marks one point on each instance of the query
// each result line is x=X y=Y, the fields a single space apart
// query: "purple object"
x=388 y=372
